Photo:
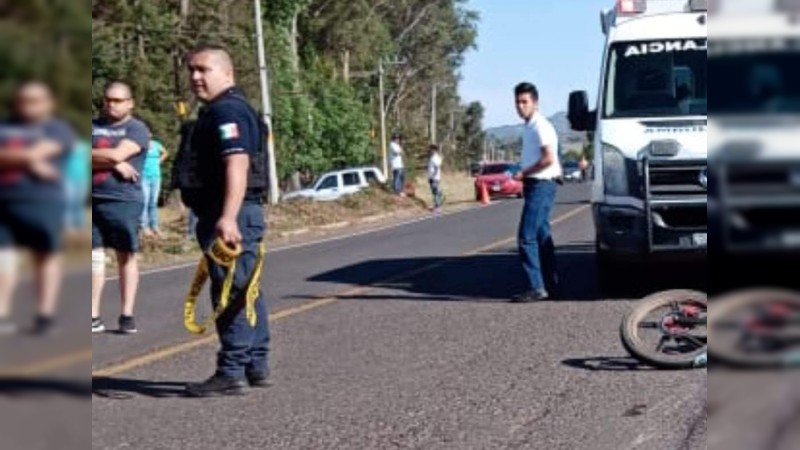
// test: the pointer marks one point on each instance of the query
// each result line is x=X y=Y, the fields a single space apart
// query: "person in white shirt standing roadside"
x=540 y=171
x=398 y=167
x=435 y=177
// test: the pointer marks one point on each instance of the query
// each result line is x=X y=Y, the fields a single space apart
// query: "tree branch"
x=420 y=15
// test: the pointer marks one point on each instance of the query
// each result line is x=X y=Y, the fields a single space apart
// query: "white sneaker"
x=98 y=326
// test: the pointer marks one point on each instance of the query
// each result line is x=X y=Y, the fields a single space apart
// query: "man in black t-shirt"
x=119 y=143
x=34 y=146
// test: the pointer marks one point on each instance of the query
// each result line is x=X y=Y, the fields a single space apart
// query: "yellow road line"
x=157 y=355
x=165 y=353
x=43 y=367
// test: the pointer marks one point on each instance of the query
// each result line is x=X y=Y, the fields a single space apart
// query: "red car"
x=499 y=180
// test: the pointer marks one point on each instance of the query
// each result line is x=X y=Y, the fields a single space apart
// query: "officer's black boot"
x=216 y=386
x=259 y=379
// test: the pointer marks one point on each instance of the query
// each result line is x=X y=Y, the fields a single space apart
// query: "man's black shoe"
x=43 y=325
x=216 y=386
x=127 y=325
x=259 y=380
x=530 y=297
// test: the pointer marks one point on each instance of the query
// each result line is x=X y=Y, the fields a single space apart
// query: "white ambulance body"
x=754 y=134
x=650 y=188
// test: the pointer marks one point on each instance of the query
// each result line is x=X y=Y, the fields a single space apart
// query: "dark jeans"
x=398 y=180
x=244 y=348
x=536 y=247
x=437 y=192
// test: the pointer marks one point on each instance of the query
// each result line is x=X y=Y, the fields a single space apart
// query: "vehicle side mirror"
x=579 y=115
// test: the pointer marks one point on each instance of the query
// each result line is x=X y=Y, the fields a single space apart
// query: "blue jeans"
x=536 y=247
x=244 y=349
x=398 y=180
x=151 y=188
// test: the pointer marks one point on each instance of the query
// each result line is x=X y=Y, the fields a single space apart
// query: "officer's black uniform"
x=228 y=126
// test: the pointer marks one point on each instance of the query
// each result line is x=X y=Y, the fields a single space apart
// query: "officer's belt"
x=225 y=257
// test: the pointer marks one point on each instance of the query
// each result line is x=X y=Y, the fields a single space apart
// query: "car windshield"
x=497 y=169
x=570 y=165
x=657 y=79
x=755 y=76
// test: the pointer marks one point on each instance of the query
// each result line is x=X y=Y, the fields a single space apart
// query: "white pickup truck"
x=332 y=186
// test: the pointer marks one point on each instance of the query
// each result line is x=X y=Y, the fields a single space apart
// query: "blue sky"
x=554 y=44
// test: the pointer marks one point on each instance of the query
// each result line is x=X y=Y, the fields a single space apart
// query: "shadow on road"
x=607 y=364
x=498 y=276
x=124 y=389
x=34 y=388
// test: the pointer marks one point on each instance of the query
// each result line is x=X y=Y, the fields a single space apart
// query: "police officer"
x=223 y=180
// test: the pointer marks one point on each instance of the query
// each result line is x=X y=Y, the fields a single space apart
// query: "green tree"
x=322 y=57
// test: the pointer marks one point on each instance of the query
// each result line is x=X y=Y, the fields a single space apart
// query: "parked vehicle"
x=499 y=180
x=572 y=172
x=754 y=181
x=335 y=185
x=650 y=192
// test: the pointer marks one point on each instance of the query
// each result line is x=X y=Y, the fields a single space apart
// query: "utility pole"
x=266 y=106
x=433 y=114
x=181 y=106
x=382 y=101
x=434 y=118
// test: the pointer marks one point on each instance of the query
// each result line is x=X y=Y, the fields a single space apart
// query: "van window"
x=351 y=179
x=329 y=182
x=371 y=176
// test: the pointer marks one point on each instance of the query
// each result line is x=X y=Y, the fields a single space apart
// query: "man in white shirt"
x=540 y=170
x=398 y=167
x=435 y=177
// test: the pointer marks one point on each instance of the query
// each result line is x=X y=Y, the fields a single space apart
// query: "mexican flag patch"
x=229 y=131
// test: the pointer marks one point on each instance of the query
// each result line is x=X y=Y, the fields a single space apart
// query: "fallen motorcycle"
x=668 y=330
x=756 y=329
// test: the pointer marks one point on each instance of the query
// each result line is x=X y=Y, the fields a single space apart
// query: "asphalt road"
x=402 y=338
x=408 y=343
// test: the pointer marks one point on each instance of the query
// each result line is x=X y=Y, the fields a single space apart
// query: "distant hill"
x=505 y=133
x=572 y=140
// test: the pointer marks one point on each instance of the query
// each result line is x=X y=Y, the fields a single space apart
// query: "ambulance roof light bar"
x=631 y=7
x=698 y=5
x=787 y=6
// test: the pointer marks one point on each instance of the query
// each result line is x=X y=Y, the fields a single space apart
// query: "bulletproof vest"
x=187 y=173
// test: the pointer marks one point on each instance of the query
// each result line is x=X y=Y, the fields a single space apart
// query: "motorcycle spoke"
x=662 y=342
x=649 y=325
x=696 y=340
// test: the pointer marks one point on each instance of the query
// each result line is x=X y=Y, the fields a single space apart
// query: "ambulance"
x=754 y=136
x=650 y=130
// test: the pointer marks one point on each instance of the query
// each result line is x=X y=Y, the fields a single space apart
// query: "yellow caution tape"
x=226 y=257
